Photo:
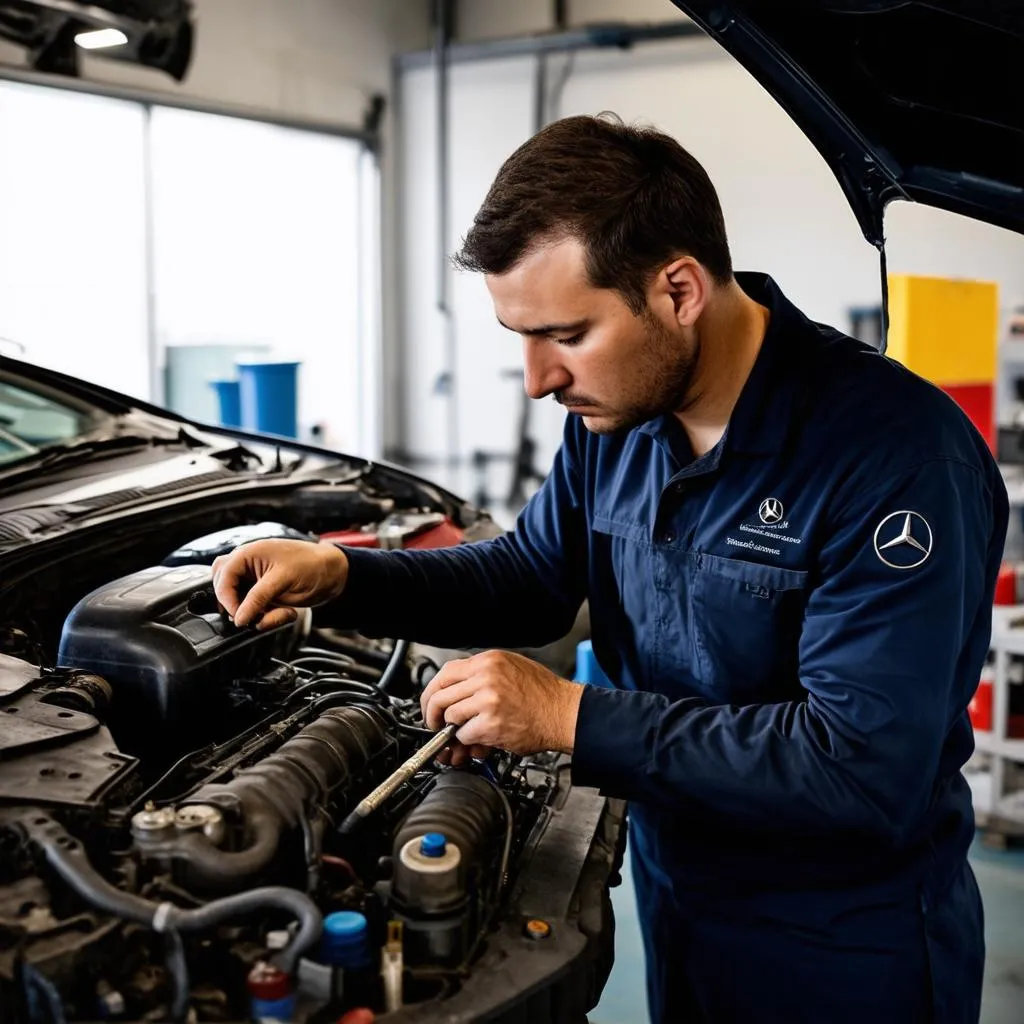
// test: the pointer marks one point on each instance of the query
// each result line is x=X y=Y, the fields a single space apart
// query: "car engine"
x=177 y=839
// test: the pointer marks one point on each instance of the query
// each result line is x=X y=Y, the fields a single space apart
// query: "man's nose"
x=543 y=375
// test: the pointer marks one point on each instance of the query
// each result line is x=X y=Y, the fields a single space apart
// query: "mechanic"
x=789 y=545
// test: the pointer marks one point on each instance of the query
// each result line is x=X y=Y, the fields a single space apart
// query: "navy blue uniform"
x=794 y=624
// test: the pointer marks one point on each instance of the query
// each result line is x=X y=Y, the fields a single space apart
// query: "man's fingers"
x=460 y=755
x=451 y=672
x=440 y=708
x=260 y=598
x=277 y=617
x=228 y=575
x=476 y=731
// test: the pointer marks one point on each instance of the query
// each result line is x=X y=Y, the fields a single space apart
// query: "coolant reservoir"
x=427 y=874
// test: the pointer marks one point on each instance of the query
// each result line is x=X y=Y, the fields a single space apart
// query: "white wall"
x=785 y=212
x=479 y=142
x=487 y=19
x=314 y=60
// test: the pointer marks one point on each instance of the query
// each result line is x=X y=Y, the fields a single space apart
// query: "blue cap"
x=274 y=1009
x=433 y=844
x=345 y=939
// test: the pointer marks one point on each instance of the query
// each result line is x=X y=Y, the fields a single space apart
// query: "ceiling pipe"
x=609 y=35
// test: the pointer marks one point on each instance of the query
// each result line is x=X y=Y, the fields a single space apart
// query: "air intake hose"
x=272 y=798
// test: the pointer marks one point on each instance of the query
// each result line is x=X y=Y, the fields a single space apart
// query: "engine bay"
x=177 y=839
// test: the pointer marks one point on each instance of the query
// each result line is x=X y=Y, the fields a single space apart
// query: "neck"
x=730 y=332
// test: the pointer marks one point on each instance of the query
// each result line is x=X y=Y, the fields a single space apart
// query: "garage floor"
x=1000 y=877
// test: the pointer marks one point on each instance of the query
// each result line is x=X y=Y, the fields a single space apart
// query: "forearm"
x=766 y=766
x=488 y=594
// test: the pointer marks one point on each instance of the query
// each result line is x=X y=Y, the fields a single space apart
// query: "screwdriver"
x=403 y=773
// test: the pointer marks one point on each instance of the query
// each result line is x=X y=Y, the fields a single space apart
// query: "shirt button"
x=679 y=487
x=668 y=536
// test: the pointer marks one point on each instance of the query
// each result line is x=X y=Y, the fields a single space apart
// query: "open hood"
x=904 y=99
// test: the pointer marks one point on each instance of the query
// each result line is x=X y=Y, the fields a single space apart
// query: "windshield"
x=30 y=421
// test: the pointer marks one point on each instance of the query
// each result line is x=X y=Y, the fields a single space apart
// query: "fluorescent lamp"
x=101 y=38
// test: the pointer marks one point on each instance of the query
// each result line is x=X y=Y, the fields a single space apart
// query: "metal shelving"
x=1007 y=641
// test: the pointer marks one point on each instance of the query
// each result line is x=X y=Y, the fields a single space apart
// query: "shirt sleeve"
x=890 y=640
x=521 y=589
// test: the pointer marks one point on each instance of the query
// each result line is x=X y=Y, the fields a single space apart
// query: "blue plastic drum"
x=269 y=398
x=229 y=402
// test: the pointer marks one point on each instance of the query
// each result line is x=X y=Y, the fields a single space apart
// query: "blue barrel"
x=269 y=398
x=587 y=668
x=229 y=402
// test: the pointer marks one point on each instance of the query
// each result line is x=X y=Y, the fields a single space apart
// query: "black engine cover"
x=158 y=638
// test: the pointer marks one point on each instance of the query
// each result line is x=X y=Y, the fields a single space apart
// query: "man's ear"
x=682 y=288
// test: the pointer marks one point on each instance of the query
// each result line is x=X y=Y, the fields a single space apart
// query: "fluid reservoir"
x=447 y=862
x=427 y=874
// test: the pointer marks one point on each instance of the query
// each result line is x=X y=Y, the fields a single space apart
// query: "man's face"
x=586 y=347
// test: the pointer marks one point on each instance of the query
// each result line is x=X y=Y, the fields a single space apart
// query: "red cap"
x=360 y=1015
x=267 y=982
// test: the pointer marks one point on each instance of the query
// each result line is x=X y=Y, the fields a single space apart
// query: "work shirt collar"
x=764 y=413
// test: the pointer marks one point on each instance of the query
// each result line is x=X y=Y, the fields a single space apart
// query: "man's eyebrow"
x=545 y=329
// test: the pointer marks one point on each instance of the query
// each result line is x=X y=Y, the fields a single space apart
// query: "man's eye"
x=574 y=340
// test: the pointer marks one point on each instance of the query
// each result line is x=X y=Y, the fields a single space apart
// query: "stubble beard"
x=664 y=380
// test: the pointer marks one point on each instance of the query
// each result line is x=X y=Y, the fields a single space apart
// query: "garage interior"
x=277 y=223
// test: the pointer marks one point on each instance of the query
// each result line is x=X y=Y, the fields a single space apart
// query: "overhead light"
x=101 y=38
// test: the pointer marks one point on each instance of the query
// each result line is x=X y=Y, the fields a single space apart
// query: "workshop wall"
x=785 y=212
x=316 y=60
x=489 y=19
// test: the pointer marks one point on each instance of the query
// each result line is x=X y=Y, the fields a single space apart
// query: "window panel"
x=72 y=234
x=256 y=245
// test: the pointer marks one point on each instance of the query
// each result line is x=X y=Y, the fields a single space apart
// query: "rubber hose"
x=71 y=863
x=177 y=969
x=350 y=652
x=334 y=686
x=318 y=662
x=394 y=665
x=277 y=896
x=276 y=792
x=225 y=867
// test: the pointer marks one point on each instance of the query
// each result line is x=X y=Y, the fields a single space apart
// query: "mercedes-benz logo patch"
x=771 y=511
x=903 y=540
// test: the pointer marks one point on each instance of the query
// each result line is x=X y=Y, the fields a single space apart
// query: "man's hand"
x=502 y=700
x=283 y=575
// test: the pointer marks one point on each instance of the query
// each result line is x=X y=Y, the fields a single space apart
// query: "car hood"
x=904 y=99
x=145 y=455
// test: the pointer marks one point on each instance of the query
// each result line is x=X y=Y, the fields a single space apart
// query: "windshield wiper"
x=20 y=445
x=82 y=450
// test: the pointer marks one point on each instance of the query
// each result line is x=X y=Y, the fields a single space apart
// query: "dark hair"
x=633 y=196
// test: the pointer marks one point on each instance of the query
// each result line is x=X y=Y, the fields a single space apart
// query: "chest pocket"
x=624 y=566
x=746 y=622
